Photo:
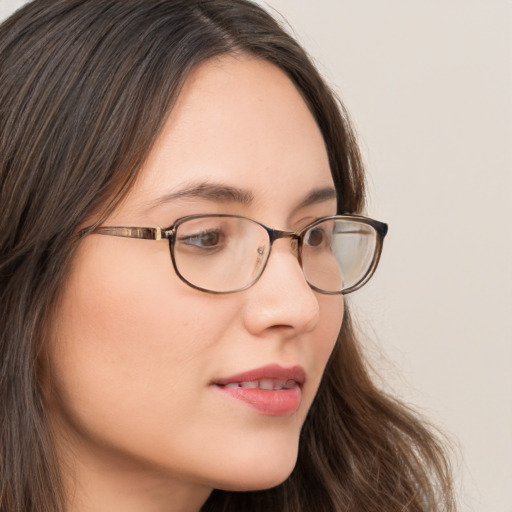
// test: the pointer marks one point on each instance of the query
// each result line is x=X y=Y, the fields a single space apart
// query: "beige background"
x=429 y=86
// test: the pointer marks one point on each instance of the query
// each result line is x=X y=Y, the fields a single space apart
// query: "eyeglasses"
x=228 y=253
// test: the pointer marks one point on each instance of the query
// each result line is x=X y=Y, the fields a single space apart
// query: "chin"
x=258 y=474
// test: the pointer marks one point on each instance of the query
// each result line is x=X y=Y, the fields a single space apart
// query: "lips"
x=272 y=390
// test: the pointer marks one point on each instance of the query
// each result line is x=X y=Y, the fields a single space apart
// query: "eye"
x=315 y=237
x=208 y=240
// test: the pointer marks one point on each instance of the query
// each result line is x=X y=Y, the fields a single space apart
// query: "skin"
x=134 y=349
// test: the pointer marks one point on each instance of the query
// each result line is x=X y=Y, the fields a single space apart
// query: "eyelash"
x=187 y=239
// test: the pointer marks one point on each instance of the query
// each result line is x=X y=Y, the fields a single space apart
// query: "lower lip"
x=282 y=402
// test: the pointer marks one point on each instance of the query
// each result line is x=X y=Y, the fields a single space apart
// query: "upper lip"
x=271 y=371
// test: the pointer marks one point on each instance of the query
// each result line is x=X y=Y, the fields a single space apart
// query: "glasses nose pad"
x=262 y=254
x=294 y=246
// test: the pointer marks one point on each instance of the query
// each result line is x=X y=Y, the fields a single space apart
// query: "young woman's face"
x=138 y=357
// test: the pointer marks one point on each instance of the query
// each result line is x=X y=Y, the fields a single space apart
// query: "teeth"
x=267 y=384
x=278 y=384
x=250 y=384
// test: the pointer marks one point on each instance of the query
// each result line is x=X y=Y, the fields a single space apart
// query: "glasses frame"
x=169 y=233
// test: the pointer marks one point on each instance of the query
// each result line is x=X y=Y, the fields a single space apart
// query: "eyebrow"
x=316 y=196
x=209 y=191
x=230 y=194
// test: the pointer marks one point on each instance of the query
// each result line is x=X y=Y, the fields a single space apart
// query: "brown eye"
x=315 y=237
x=206 y=239
x=209 y=239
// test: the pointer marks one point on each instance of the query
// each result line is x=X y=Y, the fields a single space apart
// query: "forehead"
x=240 y=121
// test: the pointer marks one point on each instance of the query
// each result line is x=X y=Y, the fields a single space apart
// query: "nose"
x=281 y=298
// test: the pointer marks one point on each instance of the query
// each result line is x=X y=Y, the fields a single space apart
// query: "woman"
x=163 y=349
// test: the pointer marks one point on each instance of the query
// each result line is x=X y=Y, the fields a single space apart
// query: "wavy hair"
x=85 y=87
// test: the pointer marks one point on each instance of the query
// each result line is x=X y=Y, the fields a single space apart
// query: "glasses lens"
x=337 y=254
x=220 y=253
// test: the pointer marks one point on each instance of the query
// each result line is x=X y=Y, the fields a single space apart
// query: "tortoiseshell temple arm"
x=145 y=233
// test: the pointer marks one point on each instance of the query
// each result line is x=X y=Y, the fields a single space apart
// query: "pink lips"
x=272 y=389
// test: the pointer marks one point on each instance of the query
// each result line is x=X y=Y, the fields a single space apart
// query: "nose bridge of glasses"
x=276 y=234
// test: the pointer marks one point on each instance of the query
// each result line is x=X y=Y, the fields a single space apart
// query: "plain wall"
x=429 y=87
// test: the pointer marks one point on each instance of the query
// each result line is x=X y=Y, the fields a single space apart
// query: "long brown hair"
x=85 y=87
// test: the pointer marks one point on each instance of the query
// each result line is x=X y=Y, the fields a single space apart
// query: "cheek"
x=326 y=333
x=127 y=344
